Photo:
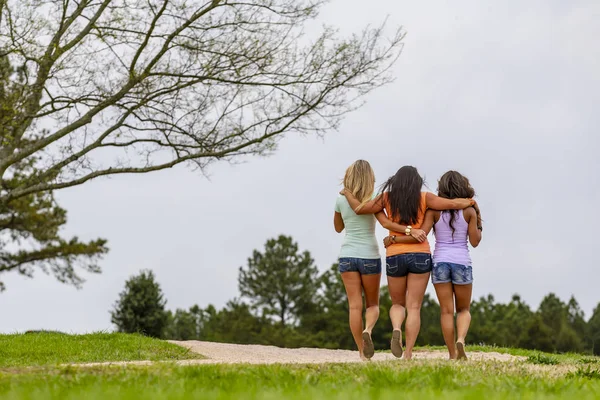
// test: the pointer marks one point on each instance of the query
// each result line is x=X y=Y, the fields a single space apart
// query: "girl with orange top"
x=408 y=256
x=359 y=259
x=452 y=274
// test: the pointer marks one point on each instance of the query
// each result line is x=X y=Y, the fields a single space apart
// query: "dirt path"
x=257 y=354
x=223 y=353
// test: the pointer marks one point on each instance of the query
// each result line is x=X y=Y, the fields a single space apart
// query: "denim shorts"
x=364 y=266
x=448 y=272
x=402 y=264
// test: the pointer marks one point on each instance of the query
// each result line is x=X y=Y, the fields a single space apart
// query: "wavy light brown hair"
x=360 y=181
x=454 y=185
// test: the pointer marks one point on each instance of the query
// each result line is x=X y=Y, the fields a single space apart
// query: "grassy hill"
x=51 y=348
x=538 y=376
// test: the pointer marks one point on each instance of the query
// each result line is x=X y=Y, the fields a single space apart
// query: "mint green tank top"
x=360 y=240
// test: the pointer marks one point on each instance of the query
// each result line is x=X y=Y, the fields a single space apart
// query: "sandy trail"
x=224 y=353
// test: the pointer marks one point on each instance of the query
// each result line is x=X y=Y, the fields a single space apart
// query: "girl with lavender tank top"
x=452 y=273
x=451 y=245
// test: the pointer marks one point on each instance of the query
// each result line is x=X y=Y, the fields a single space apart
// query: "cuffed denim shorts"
x=364 y=266
x=402 y=264
x=449 y=272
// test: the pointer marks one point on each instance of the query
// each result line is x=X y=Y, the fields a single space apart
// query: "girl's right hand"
x=418 y=234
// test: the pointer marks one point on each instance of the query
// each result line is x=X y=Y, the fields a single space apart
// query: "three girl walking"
x=409 y=214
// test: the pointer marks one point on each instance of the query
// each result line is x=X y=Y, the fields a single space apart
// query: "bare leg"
x=397 y=288
x=463 y=318
x=353 y=286
x=445 y=295
x=370 y=285
x=416 y=285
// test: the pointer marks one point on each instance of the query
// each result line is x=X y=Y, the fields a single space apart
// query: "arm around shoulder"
x=371 y=207
x=439 y=203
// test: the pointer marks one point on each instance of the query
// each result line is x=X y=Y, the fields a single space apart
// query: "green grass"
x=538 y=376
x=586 y=372
x=390 y=380
x=543 y=359
x=564 y=358
x=39 y=349
x=589 y=360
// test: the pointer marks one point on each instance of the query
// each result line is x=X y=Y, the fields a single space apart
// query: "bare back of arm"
x=471 y=218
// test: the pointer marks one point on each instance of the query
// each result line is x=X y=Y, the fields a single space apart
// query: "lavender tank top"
x=448 y=247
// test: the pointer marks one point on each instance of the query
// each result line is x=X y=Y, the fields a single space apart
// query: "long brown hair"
x=360 y=181
x=404 y=195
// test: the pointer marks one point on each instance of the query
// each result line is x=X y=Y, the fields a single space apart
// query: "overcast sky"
x=506 y=93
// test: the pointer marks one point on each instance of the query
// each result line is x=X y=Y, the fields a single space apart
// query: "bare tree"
x=92 y=88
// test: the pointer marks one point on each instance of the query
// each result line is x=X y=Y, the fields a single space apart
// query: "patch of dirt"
x=258 y=354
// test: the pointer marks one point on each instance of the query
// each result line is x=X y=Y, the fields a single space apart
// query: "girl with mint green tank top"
x=360 y=240
x=360 y=261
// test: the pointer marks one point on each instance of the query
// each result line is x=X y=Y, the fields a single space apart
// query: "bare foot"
x=396 y=344
x=362 y=356
x=460 y=348
x=368 y=348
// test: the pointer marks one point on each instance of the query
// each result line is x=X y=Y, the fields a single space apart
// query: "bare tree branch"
x=135 y=86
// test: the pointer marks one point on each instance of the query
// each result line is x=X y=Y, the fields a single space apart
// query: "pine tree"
x=141 y=307
x=279 y=282
x=593 y=331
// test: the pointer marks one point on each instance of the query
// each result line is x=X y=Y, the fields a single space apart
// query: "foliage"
x=279 y=282
x=182 y=325
x=538 y=336
x=283 y=279
x=320 y=318
x=543 y=359
x=30 y=239
x=324 y=323
x=585 y=372
x=593 y=338
x=141 y=307
x=99 y=88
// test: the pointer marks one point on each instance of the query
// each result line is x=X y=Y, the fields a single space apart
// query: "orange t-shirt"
x=402 y=248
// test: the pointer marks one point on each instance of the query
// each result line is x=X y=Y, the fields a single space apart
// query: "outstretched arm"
x=371 y=207
x=441 y=204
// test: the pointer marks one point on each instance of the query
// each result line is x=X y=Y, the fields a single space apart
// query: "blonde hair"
x=360 y=181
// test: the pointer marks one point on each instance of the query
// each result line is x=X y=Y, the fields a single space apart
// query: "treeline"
x=286 y=302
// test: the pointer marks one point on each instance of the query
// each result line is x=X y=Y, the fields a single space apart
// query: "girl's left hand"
x=387 y=241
